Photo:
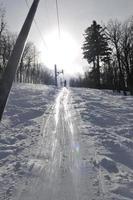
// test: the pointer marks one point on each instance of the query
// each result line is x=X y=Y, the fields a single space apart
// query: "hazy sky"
x=75 y=17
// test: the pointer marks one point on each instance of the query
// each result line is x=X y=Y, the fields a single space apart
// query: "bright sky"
x=75 y=17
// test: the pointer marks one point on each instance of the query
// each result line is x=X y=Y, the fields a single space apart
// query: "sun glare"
x=62 y=51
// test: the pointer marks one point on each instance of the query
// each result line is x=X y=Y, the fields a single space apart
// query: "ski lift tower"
x=57 y=73
x=11 y=68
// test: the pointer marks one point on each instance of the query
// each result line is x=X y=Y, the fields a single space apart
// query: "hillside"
x=70 y=144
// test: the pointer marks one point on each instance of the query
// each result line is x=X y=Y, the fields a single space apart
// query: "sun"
x=62 y=51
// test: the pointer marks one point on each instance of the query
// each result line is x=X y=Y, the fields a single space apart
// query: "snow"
x=107 y=131
x=20 y=133
x=66 y=144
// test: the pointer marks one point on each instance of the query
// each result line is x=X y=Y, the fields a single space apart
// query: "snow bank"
x=20 y=132
x=107 y=134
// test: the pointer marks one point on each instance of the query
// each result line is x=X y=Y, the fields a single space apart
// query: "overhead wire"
x=58 y=18
x=38 y=28
x=58 y=24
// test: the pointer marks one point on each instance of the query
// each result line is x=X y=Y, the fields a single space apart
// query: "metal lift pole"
x=9 y=74
x=56 y=75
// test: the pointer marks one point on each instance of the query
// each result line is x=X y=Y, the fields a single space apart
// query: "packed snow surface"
x=66 y=144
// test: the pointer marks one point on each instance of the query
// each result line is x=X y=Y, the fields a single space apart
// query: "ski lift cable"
x=38 y=28
x=58 y=18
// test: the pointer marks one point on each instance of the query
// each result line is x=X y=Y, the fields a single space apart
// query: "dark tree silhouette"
x=95 y=48
x=114 y=31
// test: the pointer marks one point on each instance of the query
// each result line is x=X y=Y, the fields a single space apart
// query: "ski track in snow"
x=58 y=171
x=82 y=151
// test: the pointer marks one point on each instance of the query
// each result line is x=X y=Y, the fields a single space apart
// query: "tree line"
x=30 y=70
x=108 y=50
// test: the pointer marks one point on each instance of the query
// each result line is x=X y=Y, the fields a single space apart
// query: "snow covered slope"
x=67 y=144
x=107 y=135
x=20 y=132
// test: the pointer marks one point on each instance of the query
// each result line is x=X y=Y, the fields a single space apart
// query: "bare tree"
x=114 y=32
x=127 y=52
x=2 y=32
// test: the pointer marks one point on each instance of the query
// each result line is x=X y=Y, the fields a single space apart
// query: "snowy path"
x=72 y=144
x=58 y=172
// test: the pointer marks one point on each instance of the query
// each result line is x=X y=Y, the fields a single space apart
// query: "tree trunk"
x=98 y=74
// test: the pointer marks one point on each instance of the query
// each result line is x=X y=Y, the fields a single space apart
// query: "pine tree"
x=95 y=48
